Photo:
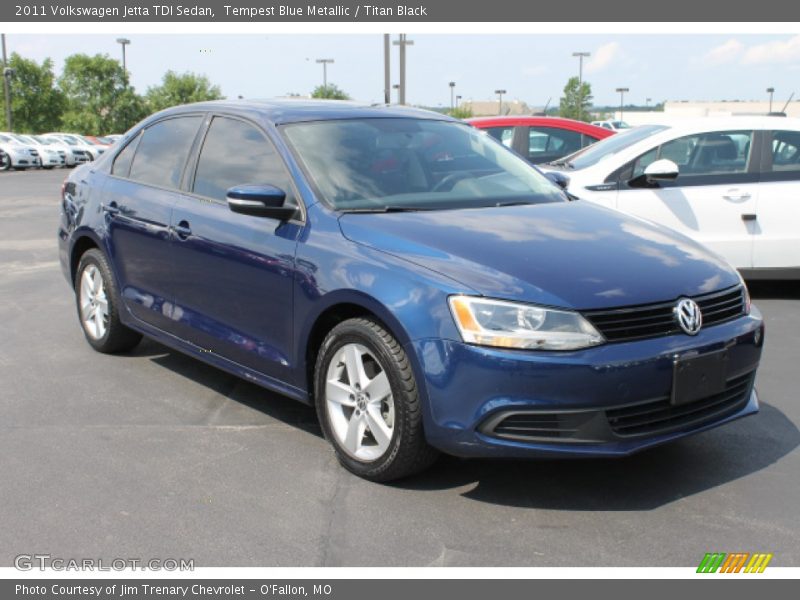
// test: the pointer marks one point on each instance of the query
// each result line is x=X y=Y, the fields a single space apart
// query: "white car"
x=732 y=184
x=78 y=145
x=50 y=156
x=612 y=125
x=72 y=156
x=20 y=156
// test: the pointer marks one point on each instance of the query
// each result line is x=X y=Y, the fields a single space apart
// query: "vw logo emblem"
x=688 y=315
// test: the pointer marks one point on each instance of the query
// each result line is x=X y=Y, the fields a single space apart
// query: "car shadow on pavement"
x=234 y=388
x=643 y=481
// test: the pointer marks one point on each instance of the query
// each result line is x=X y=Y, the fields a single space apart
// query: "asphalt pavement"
x=155 y=455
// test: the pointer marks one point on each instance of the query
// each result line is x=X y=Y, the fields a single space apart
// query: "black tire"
x=408 y=451
x=5 y=161
x=117 y=337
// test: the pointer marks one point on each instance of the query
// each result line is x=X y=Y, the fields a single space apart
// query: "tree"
x=460 y=112
x=36 y=103
x=329 y=92
x=181 y=89
x=99 y=98
x=577 y=100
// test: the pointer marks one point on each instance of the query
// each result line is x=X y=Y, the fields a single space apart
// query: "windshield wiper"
x=385 y=209
x=561 y=163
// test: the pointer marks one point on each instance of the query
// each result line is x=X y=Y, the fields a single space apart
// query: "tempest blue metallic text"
x=421 y=284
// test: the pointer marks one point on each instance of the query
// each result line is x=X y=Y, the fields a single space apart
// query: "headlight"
x=512 y=325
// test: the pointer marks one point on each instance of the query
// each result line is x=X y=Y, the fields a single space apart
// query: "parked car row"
x=49 y=150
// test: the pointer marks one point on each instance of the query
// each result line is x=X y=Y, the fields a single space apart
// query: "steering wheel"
x=447 y=184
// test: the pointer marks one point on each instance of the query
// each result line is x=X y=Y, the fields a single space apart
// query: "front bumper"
x=611 y=400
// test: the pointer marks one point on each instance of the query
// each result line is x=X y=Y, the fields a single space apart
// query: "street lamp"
x=452 y=92
x=622 y=91
x=458 y=100
x=325 y=62
x=647 y=102
x=124 y=42
x=402 y=42
x=580 y=56
x=8 y=73
x=500 y=101
x=770 y=91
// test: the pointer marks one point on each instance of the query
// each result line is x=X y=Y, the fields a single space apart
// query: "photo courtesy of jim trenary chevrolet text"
x=438 y=298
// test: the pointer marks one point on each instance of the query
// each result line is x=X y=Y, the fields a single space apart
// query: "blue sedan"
x=420 y=284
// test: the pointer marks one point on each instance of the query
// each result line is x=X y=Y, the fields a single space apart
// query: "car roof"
x=294 y=110
x=558 y=122
x=701 y=124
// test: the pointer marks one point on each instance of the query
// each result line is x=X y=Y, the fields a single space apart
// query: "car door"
x=137 y=201
x=713 y=196
x=777 y=215
x=234 y=273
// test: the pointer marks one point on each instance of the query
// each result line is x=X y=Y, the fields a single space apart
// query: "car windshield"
x=388 y=164
x=598 y=151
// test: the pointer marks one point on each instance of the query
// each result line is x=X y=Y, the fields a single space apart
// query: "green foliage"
x=36 y=103
x=181 y=89
x=577 y=100
x=329 y=92
x=460 y=112
x=99 y=98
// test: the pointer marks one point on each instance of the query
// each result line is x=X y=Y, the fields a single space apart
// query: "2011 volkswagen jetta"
x=421 y=284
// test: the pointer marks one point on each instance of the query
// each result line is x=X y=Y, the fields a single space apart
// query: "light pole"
x=770 y=91
x=402 y=41
x=458 y=100
x=452 y=95
x=324 y=62
x=647 y=102
x=622 y=91
x=124 y=42
x=500 y=101
x=7 y=74
x=580 y=56
x=387 y=79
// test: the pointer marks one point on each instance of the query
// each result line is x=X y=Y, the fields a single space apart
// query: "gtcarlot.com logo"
x=735 y=562
x=29 y=562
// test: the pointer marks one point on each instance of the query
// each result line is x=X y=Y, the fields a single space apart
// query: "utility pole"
x=402 y=41
x=580 y=56
x=325 y=62
x=124 y=42
x=500 y=101
x=622 y=91
x=770 y=91
x=387 y=76
x=7 y=73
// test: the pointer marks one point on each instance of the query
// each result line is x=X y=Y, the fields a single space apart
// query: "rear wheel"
x=98 y=305
x=367 y=402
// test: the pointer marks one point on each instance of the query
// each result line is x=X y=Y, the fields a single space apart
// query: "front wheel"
x=367 y=402
x=98 y=306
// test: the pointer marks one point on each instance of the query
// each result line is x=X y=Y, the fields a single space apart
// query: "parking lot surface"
x=155 y=455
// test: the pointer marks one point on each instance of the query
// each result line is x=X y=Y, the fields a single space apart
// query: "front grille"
x=660 y=416
x=34 y=153
x=655 y=320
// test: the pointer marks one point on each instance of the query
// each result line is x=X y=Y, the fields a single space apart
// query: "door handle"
x=749 y=217
x=736 y=195
x=111 y=209
x=182 y=230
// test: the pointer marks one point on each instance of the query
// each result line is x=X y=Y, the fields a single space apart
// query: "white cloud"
x=603 y=57
x=779 y=52
x=724 y=53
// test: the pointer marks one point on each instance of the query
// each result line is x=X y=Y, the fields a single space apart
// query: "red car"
x=541 y=139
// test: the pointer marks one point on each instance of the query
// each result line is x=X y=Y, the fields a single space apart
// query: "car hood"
x=575 y=255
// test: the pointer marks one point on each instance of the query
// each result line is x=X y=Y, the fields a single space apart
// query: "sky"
x=532 y=68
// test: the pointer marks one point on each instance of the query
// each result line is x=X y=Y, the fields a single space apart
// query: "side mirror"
x=661 y=170
x=260 y=201
x=559 y=179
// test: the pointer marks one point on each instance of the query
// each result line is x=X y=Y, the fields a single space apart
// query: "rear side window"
x=163 y=150
x=237 y=153
x=122 y=163
x=785 y=156
x=550 y=143
x=504 y=135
